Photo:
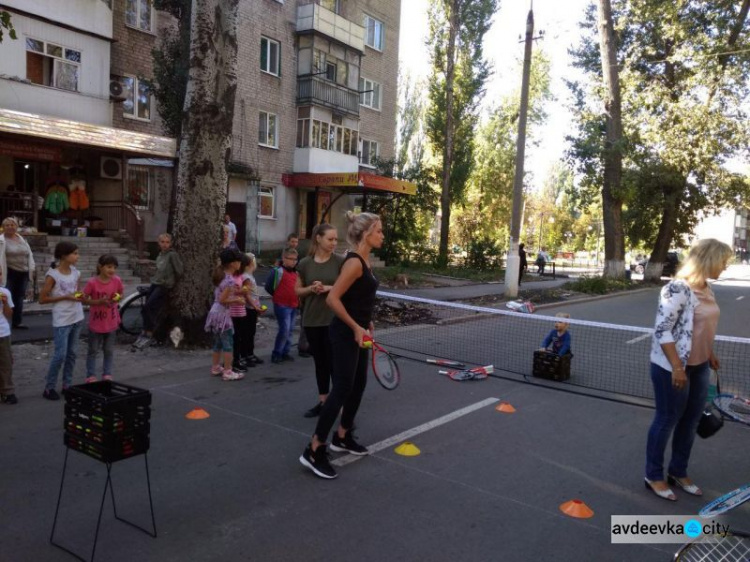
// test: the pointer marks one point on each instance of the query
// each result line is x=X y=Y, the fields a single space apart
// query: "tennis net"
x=607 y=358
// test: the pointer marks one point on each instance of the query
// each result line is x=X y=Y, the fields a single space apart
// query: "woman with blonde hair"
x=17 y=267
x=681 y=355
x=352 y=300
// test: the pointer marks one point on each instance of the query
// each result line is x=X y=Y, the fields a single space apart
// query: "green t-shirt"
x=315 y=311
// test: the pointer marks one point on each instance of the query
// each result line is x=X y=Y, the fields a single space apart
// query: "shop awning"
x=62 y=130
x=355 y=181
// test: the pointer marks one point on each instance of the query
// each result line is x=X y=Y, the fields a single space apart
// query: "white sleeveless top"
x=65 y=313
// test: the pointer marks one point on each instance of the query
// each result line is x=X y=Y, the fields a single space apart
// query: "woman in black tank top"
x=352 y=300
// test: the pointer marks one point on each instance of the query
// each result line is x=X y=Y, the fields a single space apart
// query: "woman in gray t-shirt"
x=317 y=274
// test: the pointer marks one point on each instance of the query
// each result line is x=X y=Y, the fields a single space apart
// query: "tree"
x=459 y=72
x=204 y=150
x=7 y=25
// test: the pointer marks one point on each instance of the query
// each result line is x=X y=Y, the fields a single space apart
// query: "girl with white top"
x=61 y=289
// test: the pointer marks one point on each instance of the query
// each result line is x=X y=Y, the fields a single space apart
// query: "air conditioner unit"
x=116 y=91
x=111 y=168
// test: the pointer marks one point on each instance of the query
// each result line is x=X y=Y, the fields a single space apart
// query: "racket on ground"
x=384 y=366
x=734 y=547
x=726 y=502
x=475 y=374
x=735 y=407
x=445 y=363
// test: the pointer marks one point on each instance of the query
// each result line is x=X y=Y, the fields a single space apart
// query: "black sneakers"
x=347 y=444
x=51 y=394
x=314 y=412
x=317 y=461
x=8 y=398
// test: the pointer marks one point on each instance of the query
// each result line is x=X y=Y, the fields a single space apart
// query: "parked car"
x=671 y=264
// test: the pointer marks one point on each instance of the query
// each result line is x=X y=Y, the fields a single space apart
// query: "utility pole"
x=513 y=262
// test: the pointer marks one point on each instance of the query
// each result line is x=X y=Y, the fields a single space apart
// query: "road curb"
x=593 y=298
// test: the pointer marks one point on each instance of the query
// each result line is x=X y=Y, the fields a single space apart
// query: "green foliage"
x=7 y=25
x=172 y=65
x=599 y=285
x=483 y=254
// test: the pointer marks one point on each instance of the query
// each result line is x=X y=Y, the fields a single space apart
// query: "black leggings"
x=320 y=347
x=251 y=325
x=349 y=375
x=239 y=344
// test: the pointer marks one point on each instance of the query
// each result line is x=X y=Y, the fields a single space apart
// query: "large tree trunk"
x=450 y=72
x=614 y=238
x=204 y=150
x=672 y=194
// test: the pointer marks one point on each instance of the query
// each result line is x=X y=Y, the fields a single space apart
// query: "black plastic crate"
x=108 y=398
x=134 y=420
x=135 y=445
x=548 y=365
x=105 y=438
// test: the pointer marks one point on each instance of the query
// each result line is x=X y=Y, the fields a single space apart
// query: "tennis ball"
x=245 y=289
x=78 y=294
x=367 y=344
x=264 y=307
x=116 y=297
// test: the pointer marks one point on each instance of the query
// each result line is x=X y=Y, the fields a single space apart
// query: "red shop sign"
x=30 y=150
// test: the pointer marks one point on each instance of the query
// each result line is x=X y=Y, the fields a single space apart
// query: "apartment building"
x=76 y=115
x=315 y=106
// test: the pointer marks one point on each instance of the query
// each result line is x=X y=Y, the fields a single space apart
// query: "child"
x=285 y=304
x=558 y=340
x=6 y=358
x=102 y=293
x=169 y=269
x=218 y=321
x=61 y=289
x=238 y=314
x=253 y=307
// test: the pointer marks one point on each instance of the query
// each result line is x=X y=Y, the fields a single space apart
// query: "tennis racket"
x=384 y=366
x=445 y=363
x=726 y=502
x=735 y=407
x=475 y=374
x=734 y=547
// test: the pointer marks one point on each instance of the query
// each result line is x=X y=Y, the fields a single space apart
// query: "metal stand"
x=108 y=486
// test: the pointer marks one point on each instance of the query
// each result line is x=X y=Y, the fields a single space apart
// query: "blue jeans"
x=285 y=316
x=107 y=343
x=66 y=345
x=677 y=414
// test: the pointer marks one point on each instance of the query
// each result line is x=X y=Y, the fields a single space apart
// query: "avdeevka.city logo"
x=663 y=529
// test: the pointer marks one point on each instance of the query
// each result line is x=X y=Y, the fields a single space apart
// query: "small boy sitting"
x=558 y=340
x=285 y=304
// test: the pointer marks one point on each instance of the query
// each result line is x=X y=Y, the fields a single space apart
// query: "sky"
x=559 y=21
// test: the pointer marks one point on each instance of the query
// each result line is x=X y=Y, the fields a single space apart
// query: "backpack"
x=273 y=280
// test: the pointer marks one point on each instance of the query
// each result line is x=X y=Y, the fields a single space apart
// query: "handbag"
x=711 y=419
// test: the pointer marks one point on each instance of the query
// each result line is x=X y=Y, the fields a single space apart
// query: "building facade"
x=315 y=107
x=76 y=116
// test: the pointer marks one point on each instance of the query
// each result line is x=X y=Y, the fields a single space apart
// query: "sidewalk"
x=474 y=290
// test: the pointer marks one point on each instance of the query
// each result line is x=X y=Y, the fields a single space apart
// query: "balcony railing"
x=319 y=91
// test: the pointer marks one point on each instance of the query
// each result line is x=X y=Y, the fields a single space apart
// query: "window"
x=370 y=94
x=303 y=133
x=137 y=104
x=370 y=152
x=267 y=130
x=138 y=14
x=270 y=56
x=374 y=33
x=52 y=65
x=139 y=186
x=265 y=202
x=328 y=136
x=333 y=5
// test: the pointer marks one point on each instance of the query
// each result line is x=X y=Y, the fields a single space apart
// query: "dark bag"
x=272 y=281
x=711 y=419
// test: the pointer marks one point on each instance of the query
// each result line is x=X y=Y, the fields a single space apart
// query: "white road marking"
x=740 y=297
x=639 y=338
x=409 y=433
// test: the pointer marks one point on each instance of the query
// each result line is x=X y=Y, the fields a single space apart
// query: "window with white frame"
x=265 y=202
x=138 y=192
x=270 y=56
x=268 y=134
x=137 y=94
x=369 y=93
x=138 y=14
x=370 y=152
x=52 y=65
x=374 y=33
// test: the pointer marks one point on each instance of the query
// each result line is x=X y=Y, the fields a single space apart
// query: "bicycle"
x=131 y=321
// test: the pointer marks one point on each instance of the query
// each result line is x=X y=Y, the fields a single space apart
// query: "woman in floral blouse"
x=681 y=355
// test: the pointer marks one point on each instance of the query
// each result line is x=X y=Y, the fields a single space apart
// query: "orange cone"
x=577 y=509
x=505 y=408
x=197 y=414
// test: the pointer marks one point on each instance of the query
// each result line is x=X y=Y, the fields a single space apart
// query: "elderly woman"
x=17 y=265
x=682 y=351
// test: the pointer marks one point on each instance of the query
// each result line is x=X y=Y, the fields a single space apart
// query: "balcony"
x=319 y=91
x=312 y=17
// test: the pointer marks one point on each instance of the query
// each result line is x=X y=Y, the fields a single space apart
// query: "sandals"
x=691 y=489
x=663 y=494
